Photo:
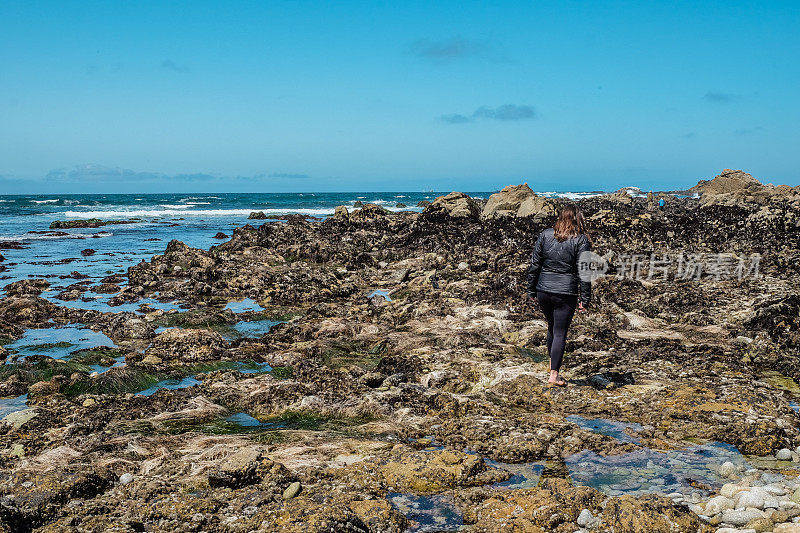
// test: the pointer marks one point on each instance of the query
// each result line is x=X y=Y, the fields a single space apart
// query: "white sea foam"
x=53 y=236
x=194 y=199
x=194 y=212
x=569 y=195
x=45 y=201
x=175 y=206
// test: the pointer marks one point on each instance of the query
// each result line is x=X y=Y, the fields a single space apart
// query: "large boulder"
x=519 y=201
x=621 y=196
x=537 y=207
x=736 y=187
x=455 y=204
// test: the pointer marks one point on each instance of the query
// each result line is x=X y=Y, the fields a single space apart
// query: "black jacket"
x=554 y=266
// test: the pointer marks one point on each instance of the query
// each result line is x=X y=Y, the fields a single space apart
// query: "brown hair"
x=570 y=223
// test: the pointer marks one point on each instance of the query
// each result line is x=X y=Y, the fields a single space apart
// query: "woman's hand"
x=581 y=308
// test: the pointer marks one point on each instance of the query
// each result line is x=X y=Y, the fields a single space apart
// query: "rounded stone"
x=754 y=498
x=727 y=469
x=126 y=478
x=585 y=518
x=760 y=525
x=784 y=454
x=717 y=504
x=729 y=490
x=741 y=517
x=292 y=490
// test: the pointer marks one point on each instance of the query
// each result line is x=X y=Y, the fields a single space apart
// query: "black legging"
x=558 y=308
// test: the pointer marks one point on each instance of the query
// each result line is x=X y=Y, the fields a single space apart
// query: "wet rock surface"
x=404 y=387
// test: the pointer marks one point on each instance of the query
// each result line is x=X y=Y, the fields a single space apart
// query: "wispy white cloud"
x=503 y=113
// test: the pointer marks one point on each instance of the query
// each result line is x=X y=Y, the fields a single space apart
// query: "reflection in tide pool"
x=12 y=405
x=100 y=369
x=610 y=428
x=245 y=367
x=693 y=469
x=57 y=343
x=251 y=329
x=245 y=329
x=99 y=302
x=243 y=306
x=170 y=384
x=243 y=420
x=380 y=292
x=525 y=475
x=252 y=368
x=428 y=513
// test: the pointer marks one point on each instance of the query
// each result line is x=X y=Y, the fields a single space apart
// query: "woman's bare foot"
x=556 y=379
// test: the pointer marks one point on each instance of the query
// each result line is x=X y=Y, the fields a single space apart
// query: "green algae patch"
x=97 y=356
x=115 y=381
x=281 y=372
x=42 y=370
x=781 y=382
x=46 y=346
x=195 y=319
x=269 y=427
x=340 y=354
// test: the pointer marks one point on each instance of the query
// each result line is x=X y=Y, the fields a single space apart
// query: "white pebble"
x=585 y=518
x=727 y=469
x=784 y=454
x=717 y=504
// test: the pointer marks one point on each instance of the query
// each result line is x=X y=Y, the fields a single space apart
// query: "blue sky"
x=343 y=96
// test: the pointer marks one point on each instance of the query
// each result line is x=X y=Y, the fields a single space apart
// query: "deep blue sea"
x=192 y=218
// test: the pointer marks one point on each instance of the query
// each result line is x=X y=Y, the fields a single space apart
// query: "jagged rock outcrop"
x=341 y=213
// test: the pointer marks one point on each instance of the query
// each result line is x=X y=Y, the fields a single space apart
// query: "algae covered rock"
x=186 y=346
x=428 y=472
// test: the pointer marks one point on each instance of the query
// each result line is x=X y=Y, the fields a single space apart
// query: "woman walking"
x=553 y=280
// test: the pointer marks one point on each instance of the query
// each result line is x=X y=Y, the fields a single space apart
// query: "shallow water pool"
x=610 y=428
x=428 y=513
x=12 y=405
x=244 y=306
x=57 y=342
x=692 y=469
x=170 y=384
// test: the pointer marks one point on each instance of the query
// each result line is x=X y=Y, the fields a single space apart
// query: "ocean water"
x=32 y=250
x=193 y=219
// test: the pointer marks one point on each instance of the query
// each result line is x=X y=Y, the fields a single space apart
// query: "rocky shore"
x=383 y=372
